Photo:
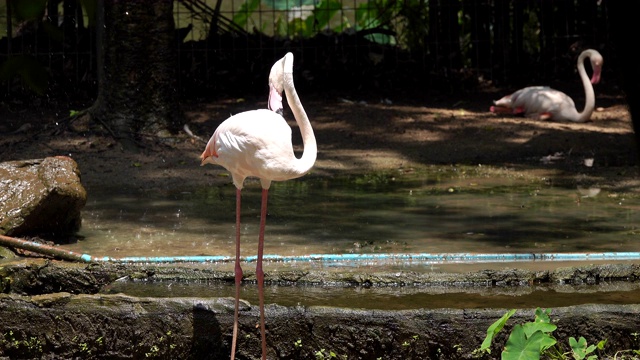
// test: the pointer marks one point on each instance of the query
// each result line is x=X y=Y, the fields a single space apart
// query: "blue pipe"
x=424 y=258
x=418 y=257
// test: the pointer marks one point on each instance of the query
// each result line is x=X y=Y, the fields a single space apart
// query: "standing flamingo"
x=544 y=103
x=258 y=143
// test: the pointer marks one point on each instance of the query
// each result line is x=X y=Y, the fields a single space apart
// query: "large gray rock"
x=41 y=196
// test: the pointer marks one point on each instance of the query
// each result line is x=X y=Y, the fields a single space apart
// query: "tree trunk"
x=444 y=34
x=136 y=69
x=502 y=67
x=479 y=13
x=519 y=74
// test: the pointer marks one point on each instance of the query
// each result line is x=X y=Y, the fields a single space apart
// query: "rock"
x=6 y=254
x=63 y=310
x=117 y=326
x=41 y=197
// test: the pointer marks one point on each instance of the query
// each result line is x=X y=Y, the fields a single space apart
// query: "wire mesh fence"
x=379 y=45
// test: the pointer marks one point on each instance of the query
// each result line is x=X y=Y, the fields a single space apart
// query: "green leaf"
x=299 y=27
x=322 y=15
x=27 y=10
x=246 y=10
x=287 y=4
x=532 y=327
x=521 y=347
x=542 y=315
x=90 y=9
x=580 y=348
x=494 y=329
x=366 y=16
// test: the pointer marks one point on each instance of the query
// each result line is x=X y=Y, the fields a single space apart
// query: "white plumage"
x=543 y=102
x=258 y=143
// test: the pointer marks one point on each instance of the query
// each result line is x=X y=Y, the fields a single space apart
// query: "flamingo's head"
x=596 y=65
x=276 y=86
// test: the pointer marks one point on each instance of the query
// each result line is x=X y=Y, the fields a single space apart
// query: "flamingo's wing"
x=253 y=143
x=541 y=102
x=510 y=103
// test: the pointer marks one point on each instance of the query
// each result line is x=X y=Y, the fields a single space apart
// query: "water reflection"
x=398 y=298
x=432 y=210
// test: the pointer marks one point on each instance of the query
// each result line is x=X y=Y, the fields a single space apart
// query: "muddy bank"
x=54 y=309
x=62 y=325
x=40 y=276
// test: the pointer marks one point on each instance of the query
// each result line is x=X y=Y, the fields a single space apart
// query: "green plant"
x=31 y=346
x=492 y=331
x=306 y=18
x=33 y=74
x=323 y=354
x=154 y=351
x=410 y=342
x=298 y=343
x=620 y=354
x=531 y=340
x=635 y=353
x=581 y=350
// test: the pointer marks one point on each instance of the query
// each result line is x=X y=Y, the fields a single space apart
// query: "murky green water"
x=433 y=210
x=399 y=298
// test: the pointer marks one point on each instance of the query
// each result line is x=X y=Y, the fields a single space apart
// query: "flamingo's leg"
x=545 y=116
x=238 y=279
x=497 y=109
x=260 y=272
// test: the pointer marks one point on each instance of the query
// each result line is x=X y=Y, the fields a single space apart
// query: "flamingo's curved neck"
x=590 y=98
x=304 y=164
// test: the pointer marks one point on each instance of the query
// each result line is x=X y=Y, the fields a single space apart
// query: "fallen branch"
x=42 y=249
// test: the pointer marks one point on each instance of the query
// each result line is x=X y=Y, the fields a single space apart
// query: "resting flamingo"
x=545 y=103
x=258 y=143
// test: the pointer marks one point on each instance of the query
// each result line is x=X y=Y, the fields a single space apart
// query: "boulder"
x=41 y=197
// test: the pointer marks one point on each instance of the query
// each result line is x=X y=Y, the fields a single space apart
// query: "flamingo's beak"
x=275 y=100
x=595 y=78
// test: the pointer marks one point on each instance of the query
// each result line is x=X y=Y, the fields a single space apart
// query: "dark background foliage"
x=382 y=46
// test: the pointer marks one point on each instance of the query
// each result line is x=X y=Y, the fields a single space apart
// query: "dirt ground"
x=354 y=135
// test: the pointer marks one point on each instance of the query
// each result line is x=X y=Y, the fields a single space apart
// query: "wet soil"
x=354 y=135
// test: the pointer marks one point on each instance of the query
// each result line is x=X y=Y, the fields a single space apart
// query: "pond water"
x=436 y=209
x=433 y=210
x=398 y=298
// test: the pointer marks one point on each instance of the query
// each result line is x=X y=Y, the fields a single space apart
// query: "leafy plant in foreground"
x=531 y=340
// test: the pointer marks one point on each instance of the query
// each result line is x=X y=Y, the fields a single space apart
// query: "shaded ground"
x=354 y=135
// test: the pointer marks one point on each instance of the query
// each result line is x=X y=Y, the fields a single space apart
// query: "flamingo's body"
x=545 y=103
x=258 y=143
x=268 y=156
